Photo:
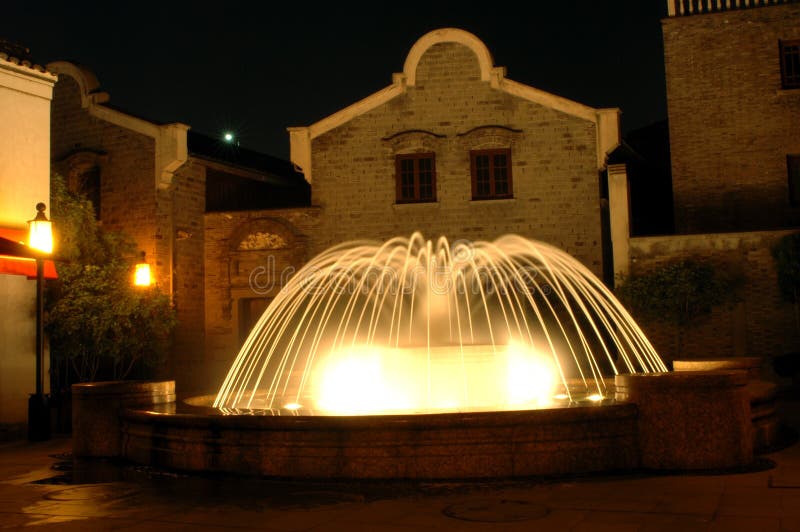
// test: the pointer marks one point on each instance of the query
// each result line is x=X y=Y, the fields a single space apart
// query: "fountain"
x=420 y=360
x=413 y=326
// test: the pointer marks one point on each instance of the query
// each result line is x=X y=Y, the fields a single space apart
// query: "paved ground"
x=41 y=488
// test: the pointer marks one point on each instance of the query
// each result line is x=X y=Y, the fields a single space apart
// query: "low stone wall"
x=761 y=393
x=97 y=409
x=690 y=420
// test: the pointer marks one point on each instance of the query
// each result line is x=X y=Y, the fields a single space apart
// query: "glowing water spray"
x=416 y=326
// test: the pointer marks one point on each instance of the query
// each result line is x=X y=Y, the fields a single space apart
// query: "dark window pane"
x=790 y=64
x=416 y=180
x=793 y=164
x=492 y=174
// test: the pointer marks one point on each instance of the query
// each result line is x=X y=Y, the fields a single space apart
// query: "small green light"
x=228 y=137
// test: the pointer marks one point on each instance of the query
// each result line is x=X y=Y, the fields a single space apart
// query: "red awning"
x=18 y=259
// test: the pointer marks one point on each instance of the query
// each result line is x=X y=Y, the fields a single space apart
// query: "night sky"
x=256 y=69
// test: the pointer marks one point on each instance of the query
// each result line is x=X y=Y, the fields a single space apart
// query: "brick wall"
x=554 y=165
x=228 y=274
x=760 y=324
x=730 y=125
x=186 y=204
x=127 y=167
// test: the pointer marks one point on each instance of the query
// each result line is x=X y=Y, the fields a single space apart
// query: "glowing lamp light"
x=228 y=136
x=40 y=231
x=293 y=406
x=141 y=275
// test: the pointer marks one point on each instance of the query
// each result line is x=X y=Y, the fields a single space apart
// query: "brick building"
x=157 y=182
x=453 y=147
x=733 y=97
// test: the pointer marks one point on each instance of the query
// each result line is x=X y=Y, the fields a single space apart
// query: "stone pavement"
x=42 y=489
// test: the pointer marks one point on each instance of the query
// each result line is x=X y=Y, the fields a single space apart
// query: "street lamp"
x=40 y=238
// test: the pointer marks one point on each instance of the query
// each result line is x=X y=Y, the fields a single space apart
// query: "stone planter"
x=97 y=408
x=762 y=393
x=691 y=420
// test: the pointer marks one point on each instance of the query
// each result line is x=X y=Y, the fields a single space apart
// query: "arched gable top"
x=87 y=82
x=606 y=120
x=449 y=35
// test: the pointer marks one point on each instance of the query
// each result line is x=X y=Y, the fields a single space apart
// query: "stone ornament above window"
x=261 y=241
x=414 y=140
x=489 y=136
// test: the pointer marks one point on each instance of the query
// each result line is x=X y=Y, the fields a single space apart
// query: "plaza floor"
x=42 y=488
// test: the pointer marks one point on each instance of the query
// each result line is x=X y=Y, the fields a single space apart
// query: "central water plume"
x=410 y=325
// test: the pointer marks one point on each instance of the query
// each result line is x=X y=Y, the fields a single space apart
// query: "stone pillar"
x=96 y=409
x=618 y=209
x=692 y=419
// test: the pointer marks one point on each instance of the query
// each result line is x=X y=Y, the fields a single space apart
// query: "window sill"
x=789 y=92
x=415 y=205
x=493 y=201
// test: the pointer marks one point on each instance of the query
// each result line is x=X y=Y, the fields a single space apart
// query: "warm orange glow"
x=532 y=377
x=40 y=231
x=141 y=276
x=373 y=380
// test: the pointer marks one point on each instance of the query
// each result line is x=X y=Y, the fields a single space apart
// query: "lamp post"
x=40 y=238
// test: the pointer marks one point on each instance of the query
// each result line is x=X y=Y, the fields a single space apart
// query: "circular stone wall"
x=460 y=445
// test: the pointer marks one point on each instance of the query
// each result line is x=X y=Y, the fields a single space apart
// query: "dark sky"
x=256 y=69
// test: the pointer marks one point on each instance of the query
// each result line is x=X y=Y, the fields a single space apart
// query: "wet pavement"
x=42 y=488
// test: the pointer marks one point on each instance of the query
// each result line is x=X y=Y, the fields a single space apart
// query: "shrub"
x=100 y=325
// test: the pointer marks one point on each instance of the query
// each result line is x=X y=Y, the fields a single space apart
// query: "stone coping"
x=683 y=379
x=121 y=388
x=694 y=364
x=205 y=417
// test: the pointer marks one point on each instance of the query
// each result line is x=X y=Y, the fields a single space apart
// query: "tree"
x=787 y=263
x=100 y=325
x=678 y=292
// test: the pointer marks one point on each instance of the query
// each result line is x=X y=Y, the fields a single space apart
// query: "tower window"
x=793 y=166
x=790 y=64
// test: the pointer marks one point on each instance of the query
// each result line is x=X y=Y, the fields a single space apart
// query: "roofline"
x=607 y=120
x=170 y=139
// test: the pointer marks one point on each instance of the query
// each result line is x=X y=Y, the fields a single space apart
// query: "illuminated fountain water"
x=413 y=326
x=415 y=359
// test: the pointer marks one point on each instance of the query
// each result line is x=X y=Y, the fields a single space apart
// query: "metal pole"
x=38 y=410
x=39 y=327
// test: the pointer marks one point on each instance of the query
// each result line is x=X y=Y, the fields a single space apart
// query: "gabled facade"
x=453 y=147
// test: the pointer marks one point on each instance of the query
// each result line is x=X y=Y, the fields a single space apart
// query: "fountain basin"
x=576 y=439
